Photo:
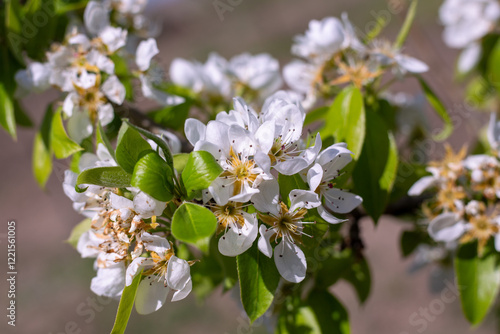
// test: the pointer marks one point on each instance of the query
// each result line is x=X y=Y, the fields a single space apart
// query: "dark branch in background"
x=405 y=205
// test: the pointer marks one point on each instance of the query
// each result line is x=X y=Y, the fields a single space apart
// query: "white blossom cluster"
x=119 y=241
x=253 y=150
x=332 y=54
x=254 y=77
x=466 y=23
x=82 y=68
x=465 y=207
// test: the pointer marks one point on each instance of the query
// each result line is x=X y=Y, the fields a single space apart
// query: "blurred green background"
x=53 y=281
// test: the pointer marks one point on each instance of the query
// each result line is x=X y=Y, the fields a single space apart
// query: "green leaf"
x=330 y=314
x=192 y=223
x=478 y=279
x=78 y=230
x=259 y=279
x=101 y=138
x=42 y=161
x=493 y=67
x=63 y=6
x=410 y=241
x=346 y=120
x=375 y=172
x=22 y=119
x=158 y=140
x=13 y=23
x=288 y=183
x=113 y=177
x=200 y=171
x=130 y=147
x=7 y=112
x=172 y=117
x=318 y=114
x=125 y=306
x=359 y=277
x=180 y=161
x=440 y=109
x=332 y=269
x=154 y=176
x=61 y=144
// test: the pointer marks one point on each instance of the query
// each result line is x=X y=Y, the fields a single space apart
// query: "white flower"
x=260 y=72
x=285 y=223
x=240 y=228
x=321 y=41
x=467 y=21
x=114 y=90
x=114 y=38
x=96 y=17
x=386 y=54
x=302 y=77
x=145 y=52
x=88 y=243
x=109 y=281
x=351 y=39
x=233 y=147
x=447 y=227
x=150 y=74
x=280 y=137
x=88 y=99
x=164 y=272
x=321 y=179
x=101 y=61
x=142 y=205
x=35 y=78
x=90 y=201
x=208 y=79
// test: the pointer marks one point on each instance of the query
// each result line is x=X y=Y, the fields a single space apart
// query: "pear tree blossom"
x=240 y=173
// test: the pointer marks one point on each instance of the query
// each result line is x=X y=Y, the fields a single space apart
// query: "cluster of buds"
x=465 y=207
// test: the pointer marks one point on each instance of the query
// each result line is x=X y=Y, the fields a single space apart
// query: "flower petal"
x=303 y=199
x=341 y=201
x=147 y=206
x=181 y=294
x=178 y=273
x=145 y=52
x=264 y=244
x=267 y=199
x=446 y=227
x=329 y=217
x=135 y=267
x=238 y=240
x=315 y=176
x=421 y=185
x=155 y=243
x=109 y=282
x=290 y=261
x=151 y=295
